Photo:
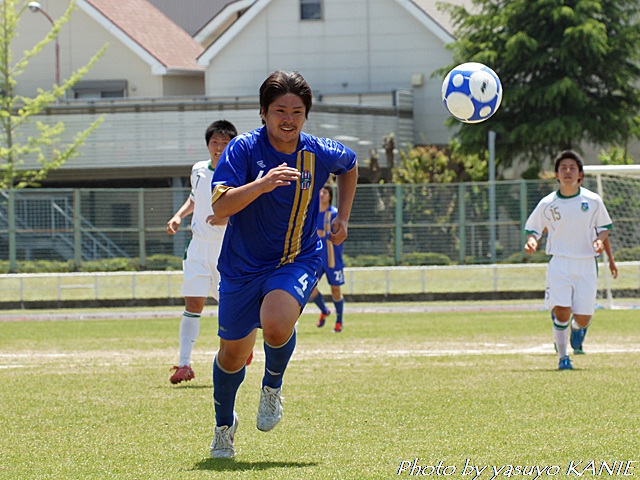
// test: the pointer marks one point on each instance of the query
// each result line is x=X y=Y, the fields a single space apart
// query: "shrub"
x=163 y=262
x=369 y=261
x=425 y=258
x=539 y=256
x=628 y=254
x=110 y=265
x=40 y=266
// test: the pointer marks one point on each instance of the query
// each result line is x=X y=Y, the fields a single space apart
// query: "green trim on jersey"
x=569 y=196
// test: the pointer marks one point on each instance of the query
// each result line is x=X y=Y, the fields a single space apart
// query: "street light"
x=35 y=7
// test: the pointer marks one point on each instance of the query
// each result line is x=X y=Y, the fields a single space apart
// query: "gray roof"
x=191 y=15
x=430 y=7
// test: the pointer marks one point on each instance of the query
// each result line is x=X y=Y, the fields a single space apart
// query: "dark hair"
x=330 y=190
x=223 y=127
x=280 y=83
x=570 y=154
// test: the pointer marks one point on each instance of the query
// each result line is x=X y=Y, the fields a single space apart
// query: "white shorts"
x=200 y=268
x=572 y=282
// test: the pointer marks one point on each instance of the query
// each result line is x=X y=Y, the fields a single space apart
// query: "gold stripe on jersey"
x=293 y=241
x=218 y=191
x=331 y=258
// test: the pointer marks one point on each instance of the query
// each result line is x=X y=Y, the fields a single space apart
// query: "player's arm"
x=347 y=183
x=613 y=268
x=598 y=243
x=174 y=222
x=228 y=201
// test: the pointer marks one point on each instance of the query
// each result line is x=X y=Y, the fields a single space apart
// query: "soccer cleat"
x=565 y=363
x=249 y=360
x=322 y=318
x=576 y=339
x=222 y=444
x=183 y=373
x=337 y=328
x=270 y=409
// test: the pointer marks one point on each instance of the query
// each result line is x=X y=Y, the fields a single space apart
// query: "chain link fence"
x=390 y=224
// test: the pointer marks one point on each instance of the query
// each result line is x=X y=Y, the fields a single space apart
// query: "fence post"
x=523 y=213
x=13 y=264
x=462 y=216
x=399 y=221
x=77 y=229
x=141 y=232
x=492 y=196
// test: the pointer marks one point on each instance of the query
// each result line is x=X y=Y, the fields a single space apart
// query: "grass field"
x=91 y=399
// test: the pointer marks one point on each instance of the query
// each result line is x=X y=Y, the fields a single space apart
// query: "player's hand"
x=598 y=246
x=280 y=176
x=339 y=231
x=531 y=246
x=613 y=268
x=173 y=225
x=215 y=220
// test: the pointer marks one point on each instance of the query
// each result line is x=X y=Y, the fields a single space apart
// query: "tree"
x=569 y=69
x=428 y=164
x=17 y=145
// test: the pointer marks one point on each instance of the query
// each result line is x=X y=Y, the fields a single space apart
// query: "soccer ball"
x=471 y=92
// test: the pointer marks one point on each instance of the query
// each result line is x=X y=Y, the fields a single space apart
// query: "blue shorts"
x=240 y=302
x=335 y=276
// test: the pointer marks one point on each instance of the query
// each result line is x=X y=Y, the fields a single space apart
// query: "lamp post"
x=35 y=7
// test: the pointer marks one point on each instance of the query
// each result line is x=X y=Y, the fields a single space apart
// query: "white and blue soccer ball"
x=472 y=92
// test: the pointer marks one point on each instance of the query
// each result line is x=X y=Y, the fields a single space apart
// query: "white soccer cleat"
x=222 y=444
x=270 y=409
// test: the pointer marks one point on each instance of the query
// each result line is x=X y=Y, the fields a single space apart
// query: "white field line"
x=109 y=358
x=138 y=313
x=212 y=312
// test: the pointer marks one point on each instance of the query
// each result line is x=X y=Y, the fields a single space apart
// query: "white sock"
x=560 y=336
x=189 y=331
x=575 y=326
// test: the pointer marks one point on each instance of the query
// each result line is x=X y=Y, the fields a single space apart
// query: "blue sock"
x=319 y=301
x=276 y=361
x=225 y=387
x=339 y=309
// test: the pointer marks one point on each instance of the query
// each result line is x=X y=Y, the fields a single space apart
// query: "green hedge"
x=627 y=254
x=170 y=262
x=154 y=262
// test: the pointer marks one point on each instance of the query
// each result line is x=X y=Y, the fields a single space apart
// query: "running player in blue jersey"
x=268 y=182
x=332 y=263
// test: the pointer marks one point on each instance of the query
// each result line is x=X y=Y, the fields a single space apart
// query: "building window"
x=100 y=89
x=310 y=9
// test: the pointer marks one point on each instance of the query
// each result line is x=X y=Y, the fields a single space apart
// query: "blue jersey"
x=331 y=254
x=278 y=227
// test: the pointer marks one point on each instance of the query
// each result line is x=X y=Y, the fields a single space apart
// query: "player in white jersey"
x=200 y=261
x=577 y=224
